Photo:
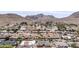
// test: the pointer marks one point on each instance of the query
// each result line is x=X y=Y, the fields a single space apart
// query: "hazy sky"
x=65 y=6
x=58 y=14
x=39 y=5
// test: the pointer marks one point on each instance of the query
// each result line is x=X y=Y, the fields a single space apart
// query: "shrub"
x=6 y=46
x=19 y=39
x=73 y=45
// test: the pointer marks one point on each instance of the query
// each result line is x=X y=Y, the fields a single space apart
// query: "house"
x=61 y=45
x=53 y=35
x=43 y=27
x=2 y=39
x=23 y=28
x=27 y=44
x=38 y=27
x=15 y=35
x=71 y=27
x=3 y=31
x=66 y=37
x=54 y=28
x=43 y=44
x=11 y=41
x=77 y=38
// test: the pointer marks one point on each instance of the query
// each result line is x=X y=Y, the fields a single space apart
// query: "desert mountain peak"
x=75 y=15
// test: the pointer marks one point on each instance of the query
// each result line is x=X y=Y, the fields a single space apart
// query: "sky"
x=58 y=14
x=39 y=5
x=58 y=8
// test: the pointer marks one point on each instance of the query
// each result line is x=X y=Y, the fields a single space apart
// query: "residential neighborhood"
x=39 y=30
x=39 y=35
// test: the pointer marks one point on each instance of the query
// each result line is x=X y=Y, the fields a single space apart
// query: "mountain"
x=75 y=15
x=14 y=18
x=73 y=18
x=41 y=18
x=38 y=16
x=10 y=18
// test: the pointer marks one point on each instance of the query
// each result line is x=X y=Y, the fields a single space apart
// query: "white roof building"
x=27 y=43
x=23 y=28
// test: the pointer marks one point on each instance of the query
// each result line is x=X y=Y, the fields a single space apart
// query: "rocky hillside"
x=73 y=18
x=10 y=18
x=41 y=18
x=14 y=18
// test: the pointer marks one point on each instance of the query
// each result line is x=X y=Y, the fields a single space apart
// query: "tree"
x=48 y=24
x=7 y=38
x=19 y=39
x=61 y=26
x=73 y=25
x=8 y=29
x=73 y=45
x=38 y=31
x=14 y=30
x=23 y=23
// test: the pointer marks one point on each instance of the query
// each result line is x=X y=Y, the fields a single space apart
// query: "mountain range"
x=11 y=18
